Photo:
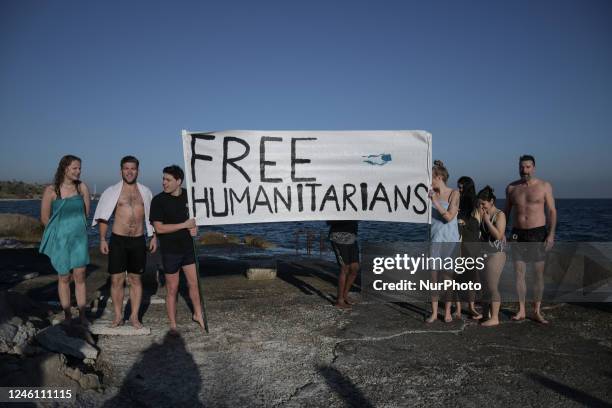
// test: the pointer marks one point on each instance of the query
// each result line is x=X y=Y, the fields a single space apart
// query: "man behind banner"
x=343 y=237
x=130 y=202
x=170 y=217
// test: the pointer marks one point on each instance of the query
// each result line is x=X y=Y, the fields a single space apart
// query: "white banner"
x=244 y=176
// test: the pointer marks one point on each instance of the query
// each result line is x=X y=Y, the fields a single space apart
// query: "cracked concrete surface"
x=282 y=343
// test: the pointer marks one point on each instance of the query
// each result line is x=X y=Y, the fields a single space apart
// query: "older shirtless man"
x=526 y=201
x=130 y=201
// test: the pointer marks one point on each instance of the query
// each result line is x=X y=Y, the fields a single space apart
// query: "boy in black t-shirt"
x=170 y=218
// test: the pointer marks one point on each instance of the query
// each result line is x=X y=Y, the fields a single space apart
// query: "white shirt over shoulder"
x=108 y=202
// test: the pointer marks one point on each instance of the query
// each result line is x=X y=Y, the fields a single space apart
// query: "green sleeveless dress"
x=65 y=238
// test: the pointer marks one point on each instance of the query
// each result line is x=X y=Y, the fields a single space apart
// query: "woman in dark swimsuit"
x=492 y=228
x=470 y=238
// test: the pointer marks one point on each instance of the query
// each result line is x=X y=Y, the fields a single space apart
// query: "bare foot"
x=448 y=318
x=199 y=320
x=116 y=323
x=457 y=316
x=136 y=324
x=474 y=315
x=349 y=301
x=518 y=317
x=174 y=332
x=537 y=317
x=342 y=305
x=490 y=323
x=431 y=319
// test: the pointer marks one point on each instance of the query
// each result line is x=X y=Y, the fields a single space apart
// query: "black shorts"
x=346 y=254
x=172 y=263
x=127 y=254
x=528 y=244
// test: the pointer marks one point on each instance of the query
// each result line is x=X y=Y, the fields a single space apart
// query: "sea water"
x=578 y=220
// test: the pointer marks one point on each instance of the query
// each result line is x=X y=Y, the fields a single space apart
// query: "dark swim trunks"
x=173 y=263
x=346 y=254
x=127 y=254
x=528 y=244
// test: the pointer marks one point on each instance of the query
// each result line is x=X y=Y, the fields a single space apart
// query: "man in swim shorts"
x=527 y=200
x=170 y=218
x=343 y=237
x=130 y=202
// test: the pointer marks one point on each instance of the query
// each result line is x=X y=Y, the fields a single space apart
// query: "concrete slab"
x=261 y=273
x=103 y=328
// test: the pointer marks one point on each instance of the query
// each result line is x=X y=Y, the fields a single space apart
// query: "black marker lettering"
x=212 y=201
x=278 y=195
x=398 y=197
x=266 y=201
x=418 y=187
x=364 y=196
x=262 y=159
x=245 y=195
x=295 y=160
x=380 y=188
x=195 y=156
x=313 y=195
x=346 y=196
x=330 y=195
x=300 y=198
x=232 y=161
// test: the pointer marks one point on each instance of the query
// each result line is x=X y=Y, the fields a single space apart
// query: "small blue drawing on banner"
x=377 y=159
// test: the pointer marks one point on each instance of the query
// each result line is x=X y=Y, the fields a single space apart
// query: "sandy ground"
x=281 y=342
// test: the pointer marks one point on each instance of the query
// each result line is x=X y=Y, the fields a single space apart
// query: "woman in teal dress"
x=64 y=209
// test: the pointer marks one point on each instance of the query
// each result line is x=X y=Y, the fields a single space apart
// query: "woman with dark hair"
x=444 y=234
x=64 y=209
x=492 y=228
x=467 y=199
x=470 y=236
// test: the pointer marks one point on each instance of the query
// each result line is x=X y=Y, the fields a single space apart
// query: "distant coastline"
x=19 y=190
x=20 y=199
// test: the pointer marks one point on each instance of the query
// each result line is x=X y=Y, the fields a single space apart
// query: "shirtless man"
x=130 y=202
x=526 y=201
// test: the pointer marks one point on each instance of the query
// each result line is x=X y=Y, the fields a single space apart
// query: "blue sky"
x=490 y=80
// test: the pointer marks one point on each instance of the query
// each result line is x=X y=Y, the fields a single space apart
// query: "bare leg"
x=350 y=279
x=448 y=295
x=194 y=293
x=494 y=267
x=474 y=314
x=80 y=291
x=458 y=310
x=434 y=300
x=521 y=289
x=342 y=278
x=117 y=282
x=135 y=299
x=447 y=312
x=172 y=283
x=538 y=290
x=63 y=291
